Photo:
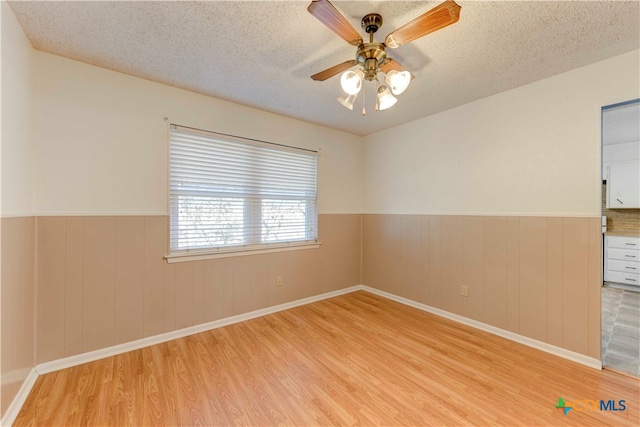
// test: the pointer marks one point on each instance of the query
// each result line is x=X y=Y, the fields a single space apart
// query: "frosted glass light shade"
x=348 y=101
x=351 y=81
x=398 y=81
x=385 y=98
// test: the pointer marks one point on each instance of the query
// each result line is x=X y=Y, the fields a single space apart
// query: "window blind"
x=228 y=192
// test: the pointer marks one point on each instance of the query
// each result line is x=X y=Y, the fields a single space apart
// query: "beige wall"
x=535 y=276
x=17 y=152
x=101 y=141
x=505 y=196
x=101 y=202
x=103 y=280
x=16 y=209
x=531 y=150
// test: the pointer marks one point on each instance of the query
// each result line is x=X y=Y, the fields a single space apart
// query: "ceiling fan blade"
x=439 y=17
x=330 y=72
x=326 y=13
x=391 y=64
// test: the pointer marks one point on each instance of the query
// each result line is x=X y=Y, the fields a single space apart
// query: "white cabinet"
x=623 y=185
x=622 y=259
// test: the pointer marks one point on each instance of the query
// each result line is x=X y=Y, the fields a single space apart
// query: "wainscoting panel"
x=17 y=305
x=535 y=276
x=495 y=272
x=74 y=273
x=102 y=281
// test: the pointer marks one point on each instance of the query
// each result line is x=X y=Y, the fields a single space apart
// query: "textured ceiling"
x=261 y=53
x=621 y=124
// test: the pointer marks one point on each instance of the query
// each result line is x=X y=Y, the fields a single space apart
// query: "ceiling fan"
x=372 y=56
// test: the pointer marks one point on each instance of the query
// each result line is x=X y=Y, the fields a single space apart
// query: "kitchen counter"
x=623 y=233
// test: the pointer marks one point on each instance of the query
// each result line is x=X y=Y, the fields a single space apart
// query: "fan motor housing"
x=371 y=55
x=371 y=51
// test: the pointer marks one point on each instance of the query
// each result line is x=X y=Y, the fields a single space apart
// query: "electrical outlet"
x=279 y=281
x=464 y=291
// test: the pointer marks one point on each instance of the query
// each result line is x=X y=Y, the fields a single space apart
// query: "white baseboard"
x=530 y=342
x=91 y=356
x=67 y=362
x=15 y=405
x=79 y=359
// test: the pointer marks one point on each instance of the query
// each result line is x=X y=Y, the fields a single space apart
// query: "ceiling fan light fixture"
x=351 y=81
x=398 y=81
x=348 y=100
x=371 y=57
x=385 y=98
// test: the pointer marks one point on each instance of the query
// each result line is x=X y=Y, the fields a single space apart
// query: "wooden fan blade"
x=330 y=72
x=439 y=17
x=326 y=13
x=391 y=64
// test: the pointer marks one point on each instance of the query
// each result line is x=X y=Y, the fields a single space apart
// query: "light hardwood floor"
x=357 y=359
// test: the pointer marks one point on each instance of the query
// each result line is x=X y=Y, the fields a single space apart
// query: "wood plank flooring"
x=357 y=359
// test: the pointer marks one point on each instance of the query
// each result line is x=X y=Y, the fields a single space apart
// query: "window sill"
x=237 y=252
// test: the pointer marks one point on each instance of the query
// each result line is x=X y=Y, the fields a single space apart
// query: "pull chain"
x=364 y=112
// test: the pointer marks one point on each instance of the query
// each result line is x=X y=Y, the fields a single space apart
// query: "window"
x=228 y=193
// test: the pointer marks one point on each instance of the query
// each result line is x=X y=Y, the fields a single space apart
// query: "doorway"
x=621 y=237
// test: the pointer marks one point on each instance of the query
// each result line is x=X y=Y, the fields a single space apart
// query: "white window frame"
x=251 y=213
